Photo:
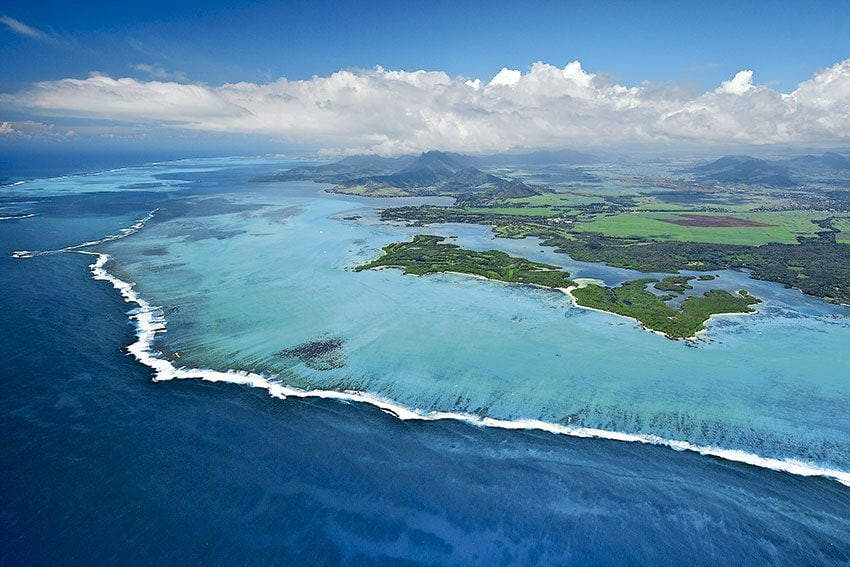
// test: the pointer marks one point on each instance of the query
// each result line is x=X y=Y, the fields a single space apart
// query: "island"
x=677 y=284
x=429 y=254
x=632 y=299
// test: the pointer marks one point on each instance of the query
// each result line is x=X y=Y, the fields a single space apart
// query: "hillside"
x=744 y=169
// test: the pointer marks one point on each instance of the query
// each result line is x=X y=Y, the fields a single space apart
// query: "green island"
x=428 y=254
x=631 y=299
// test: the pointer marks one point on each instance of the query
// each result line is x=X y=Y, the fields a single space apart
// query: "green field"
x=842 y=225
x=788 y=225
x=558 y=200
x=728 y=201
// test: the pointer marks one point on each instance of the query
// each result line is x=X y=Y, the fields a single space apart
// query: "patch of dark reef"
x=321 y=354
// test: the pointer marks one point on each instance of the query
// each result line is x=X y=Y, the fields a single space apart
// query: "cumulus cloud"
x=29 y=129
x=506 y=77
x=741 y=83
x=6 y=129
x=25 y=30
x=393 y=112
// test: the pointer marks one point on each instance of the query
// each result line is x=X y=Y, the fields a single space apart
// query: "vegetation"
x=677 y=284
x=427 y=254
x=818 y=264
x=632 y=299
x=784 y=227
x=842 y=226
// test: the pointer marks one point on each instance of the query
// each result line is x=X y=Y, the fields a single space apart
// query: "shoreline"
x=582 y=282
x=150 y=321
x=693 y=338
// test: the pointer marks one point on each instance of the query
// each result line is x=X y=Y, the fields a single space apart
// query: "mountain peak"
x=434 y=163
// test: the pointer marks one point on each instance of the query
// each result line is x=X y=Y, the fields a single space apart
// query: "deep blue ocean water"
x=100 y=465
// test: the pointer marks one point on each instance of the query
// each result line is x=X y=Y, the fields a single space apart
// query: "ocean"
x=105 y=465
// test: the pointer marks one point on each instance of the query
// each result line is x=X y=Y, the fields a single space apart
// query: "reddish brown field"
x=713 y=221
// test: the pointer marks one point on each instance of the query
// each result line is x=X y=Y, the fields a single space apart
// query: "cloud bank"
x=392 y=112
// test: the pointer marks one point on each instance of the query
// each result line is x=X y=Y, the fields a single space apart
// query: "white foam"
x=16 y=217
x=150 y=321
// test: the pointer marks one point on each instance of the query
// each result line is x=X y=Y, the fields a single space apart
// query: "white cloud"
x=393 y=112
x=741 y=83
x=29 y=129
x=506 y=77
x=23 y=29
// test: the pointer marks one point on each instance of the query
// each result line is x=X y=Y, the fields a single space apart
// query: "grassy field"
x=558 y=200
x=788 y=225
x=732 y=201
x=842 y=225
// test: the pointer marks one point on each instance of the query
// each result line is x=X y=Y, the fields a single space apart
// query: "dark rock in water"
x=322 y=354
x=147 y=185
x=154 y=251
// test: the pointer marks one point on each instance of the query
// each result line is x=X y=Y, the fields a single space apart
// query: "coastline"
x=150 y=321
x=694 y=337
x=582 y=282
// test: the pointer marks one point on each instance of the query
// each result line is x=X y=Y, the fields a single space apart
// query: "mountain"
x=429 y=169
x=431 y=173
x=340 y=171
x=744 y=169
x=826 y=165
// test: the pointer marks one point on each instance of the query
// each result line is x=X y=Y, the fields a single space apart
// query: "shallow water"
x=245 y=271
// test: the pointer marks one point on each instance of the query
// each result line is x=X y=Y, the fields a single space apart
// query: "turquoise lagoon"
x=243 y=271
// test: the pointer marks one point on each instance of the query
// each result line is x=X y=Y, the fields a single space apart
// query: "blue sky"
x=691 y=45
x=215 y=41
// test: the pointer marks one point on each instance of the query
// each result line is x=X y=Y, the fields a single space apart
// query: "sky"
x=342 y=77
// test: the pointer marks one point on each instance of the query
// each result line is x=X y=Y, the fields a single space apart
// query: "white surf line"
x=123 y=233
x=17 y=217
x=150 y=321
x=71 y=175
